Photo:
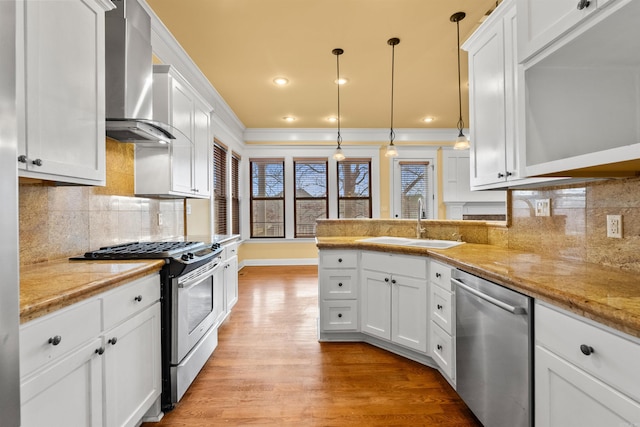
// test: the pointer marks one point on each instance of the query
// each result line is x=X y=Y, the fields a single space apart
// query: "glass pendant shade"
x=338 y=154
x=391 y=151
x=462 y=143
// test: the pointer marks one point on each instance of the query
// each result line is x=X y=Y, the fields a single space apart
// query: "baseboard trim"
x=278 y=261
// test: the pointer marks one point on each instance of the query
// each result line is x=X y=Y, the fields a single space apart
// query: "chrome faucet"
x=419 y=229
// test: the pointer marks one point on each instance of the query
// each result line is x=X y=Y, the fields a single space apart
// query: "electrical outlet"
x=614 y=226
x=543 y=207
x=159 y=218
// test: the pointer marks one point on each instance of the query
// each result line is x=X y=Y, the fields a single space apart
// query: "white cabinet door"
x=182 y=147
x=231 y=282
x=487 y=107
x=202 y=155
x=376 y=304
x=60 y=90
x=543 y=21
x=132 y=368
x=409 y=312
x=566 y=396
x=68 y=393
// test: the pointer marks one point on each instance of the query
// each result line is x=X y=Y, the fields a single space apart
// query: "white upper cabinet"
x=183 y=168
x=496 y=159
x=61 y=90
x=543 y=21
x=580 y=109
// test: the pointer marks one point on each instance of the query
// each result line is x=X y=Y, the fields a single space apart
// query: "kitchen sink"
x=403 y=241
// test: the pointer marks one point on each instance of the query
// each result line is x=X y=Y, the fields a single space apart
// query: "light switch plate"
x=543 y=207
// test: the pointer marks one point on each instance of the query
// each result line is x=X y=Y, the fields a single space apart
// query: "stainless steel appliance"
x=9 y=297
x=493 y=351
x=191 y=306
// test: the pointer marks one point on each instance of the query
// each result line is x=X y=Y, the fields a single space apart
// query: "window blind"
x=414 y=184
x=220 y=189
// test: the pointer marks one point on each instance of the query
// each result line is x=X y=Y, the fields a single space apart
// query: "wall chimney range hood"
x=129 y=76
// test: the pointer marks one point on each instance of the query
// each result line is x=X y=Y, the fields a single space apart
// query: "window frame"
x=220 y=192
x=369 y=198
x=296 y=198
x=263 y=160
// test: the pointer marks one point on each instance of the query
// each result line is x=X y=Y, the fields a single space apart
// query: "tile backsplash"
x=576 y=228
x=62 y=221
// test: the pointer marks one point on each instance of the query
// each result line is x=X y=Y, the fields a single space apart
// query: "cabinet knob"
x=438 y=275
x=586 y=349
x=22 y=158
x=138 y=298
x=100 y=350
x=500 y=175
x=439 y=307
x=55 y=340
x=386 y=279
x=583 y=4
x=339 y=259
x=393 y=281
x=439 y=347
x=339 y=314
x=509 y=173
x=340 y=284
x=37 y=162
x=113 y=341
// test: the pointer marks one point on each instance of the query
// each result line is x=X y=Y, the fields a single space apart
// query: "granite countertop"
x=50 y=286
x=607 y=295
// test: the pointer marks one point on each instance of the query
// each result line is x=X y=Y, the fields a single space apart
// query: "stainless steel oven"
x=197 y=306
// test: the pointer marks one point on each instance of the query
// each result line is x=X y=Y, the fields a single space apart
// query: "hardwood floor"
x=270 y=370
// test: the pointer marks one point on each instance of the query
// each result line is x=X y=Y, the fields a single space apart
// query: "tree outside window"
x=311 y=201
x=267 y=197
x=354 y=188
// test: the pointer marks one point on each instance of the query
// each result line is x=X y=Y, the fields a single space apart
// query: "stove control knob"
x=190 y=255
x=184 y=257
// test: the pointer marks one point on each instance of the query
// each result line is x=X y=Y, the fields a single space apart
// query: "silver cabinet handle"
x=503 y=305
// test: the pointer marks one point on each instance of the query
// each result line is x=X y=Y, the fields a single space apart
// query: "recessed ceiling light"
x=428 y=119
x=289 y=119
x=332 y=119
x=341 y=81
x=281 y=81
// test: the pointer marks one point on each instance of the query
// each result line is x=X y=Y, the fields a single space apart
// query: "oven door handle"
x=503 y=305
x=191 y=283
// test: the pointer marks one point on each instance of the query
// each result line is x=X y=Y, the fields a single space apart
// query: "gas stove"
x=181 y=257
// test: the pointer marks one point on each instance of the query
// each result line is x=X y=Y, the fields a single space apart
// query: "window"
x=235 y=193
x=220 y=189
x=267 y=197
x=354 y=188
x=311 y=201
x=414 y=185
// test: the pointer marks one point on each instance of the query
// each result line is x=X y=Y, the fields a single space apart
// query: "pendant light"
x=338 y=154
x=392 y=151
x=462 y=143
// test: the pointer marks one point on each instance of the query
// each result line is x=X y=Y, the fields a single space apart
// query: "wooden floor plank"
x=270 y=370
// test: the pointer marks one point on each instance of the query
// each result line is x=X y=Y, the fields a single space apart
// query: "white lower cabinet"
x=584 y=373
x=338 y=290
x=442 y=319
x=394 y=301
x=94 y=363
x=230 y=275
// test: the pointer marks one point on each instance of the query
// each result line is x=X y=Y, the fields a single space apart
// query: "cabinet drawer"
x=442 y=350
x=440 y=274
x=129 y=299
x=338 y=284
x=70 y=327
x=338 y=259
x=406 y=265
x=442 y=308
x=230 y=250
x=612 y=355
x=339 y=315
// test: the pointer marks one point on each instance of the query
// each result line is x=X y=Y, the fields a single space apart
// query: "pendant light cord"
x=460 y=121
x=337 y=53
x=393 y=42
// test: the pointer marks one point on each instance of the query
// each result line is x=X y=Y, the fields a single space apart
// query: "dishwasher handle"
x=503 y=305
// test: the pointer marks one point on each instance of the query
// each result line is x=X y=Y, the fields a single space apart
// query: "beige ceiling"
x=241 y=45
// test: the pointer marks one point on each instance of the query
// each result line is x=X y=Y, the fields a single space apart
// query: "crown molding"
x=348 y=135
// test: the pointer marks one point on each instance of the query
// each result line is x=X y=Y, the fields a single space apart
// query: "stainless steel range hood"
x=129 y=76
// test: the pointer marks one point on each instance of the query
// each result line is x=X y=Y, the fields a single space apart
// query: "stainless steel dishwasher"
x=493 y=351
